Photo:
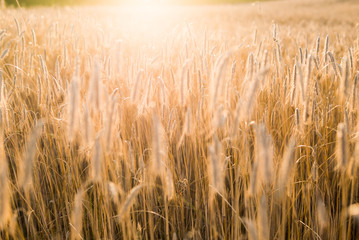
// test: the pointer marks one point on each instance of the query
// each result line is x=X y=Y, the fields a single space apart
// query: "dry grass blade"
x=26 y=167
x=184 y=87
x=344 y=80
x=113 y=191
x=170 y=188
x=131 y=197
x=136 y=87
x=326 y=47
x=5 y=204
x=252 y=229
x=308 y=75
x=323 y=218
x=275 y=38
x=237 y=118
x=76 y=216
x=247 y=109
x=286 y=167
x=95 y=91
x=334 y=64
x=186 y=127
x=249 y=69
x=187 y=122
x=34 y=39
x=254 y=181
x=97 y=161
x=317 y=47
x=217 y=85
x=354 y=92
x=341 y=147
x=262 y=219
x=294 y=84
x=87 y=131
x=4 y=53
x=264 y=154
x=219 y=118
x=73 y=106
x=110 y=120
x=159 y=148
x=302 y=86
x=216 y=167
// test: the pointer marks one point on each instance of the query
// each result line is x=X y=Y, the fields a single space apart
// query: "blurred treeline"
x=25 y=3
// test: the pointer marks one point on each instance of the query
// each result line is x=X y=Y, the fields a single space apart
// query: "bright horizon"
x=25 y=3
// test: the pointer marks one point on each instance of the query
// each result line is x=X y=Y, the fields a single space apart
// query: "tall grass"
x=179 y=122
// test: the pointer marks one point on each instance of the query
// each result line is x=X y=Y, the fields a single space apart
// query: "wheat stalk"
x=262 y=219
x=341 y=146
x=97 y=161
x=354 y=91
x=76 y=216
x=317 y=48
x=252 y=229
x=294 y=84
x=136 y=88
x=351 y=59
x=216 y=167
x=286 y=167
x=73 y=105
x=307 y=77
x=344 y=81
x=218 y=79
x=110 y=120
x=159 y=148
x=237 y=118
x=322 y=215
x=247 y=109
x=170 y=188
x=333 y=63
x=131 y=197
x=87 y=131
x=4 y=53
x=94 y=97
x=275 y=38
x=184 y=89
x=5 y=193
x=26 y=167
x=264 y=154
x=254 y=181
x=301 y=83
x=249 y=69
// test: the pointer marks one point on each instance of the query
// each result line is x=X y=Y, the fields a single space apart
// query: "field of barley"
x=180 y=122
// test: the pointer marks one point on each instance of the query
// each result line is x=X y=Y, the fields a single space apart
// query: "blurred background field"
x=119 y=2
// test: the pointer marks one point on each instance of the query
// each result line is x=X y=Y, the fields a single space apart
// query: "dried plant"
x=205 y=122
x=76 y=216
x=341 y=147
x=26 y=167
x=5 y=192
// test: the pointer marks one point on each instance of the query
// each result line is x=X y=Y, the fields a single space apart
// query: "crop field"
x=180 y=122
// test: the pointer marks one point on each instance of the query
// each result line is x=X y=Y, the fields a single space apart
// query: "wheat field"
x=180 y=122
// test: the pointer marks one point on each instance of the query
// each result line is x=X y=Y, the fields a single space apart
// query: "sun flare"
x=149 y=2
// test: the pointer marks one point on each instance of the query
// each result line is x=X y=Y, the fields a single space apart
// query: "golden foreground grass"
x=222 y=122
